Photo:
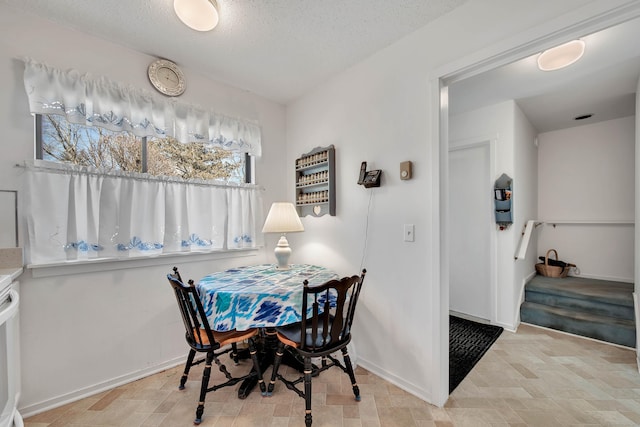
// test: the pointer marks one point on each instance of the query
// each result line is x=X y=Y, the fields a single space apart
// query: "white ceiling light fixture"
x=200 y=15
x=561 y=56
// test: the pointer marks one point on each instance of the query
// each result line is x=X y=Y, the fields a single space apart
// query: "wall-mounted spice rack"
x=315 y=182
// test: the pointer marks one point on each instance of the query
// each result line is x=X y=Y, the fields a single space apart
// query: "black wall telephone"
x=369 y=178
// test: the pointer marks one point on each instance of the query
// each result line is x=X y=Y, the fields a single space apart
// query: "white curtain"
x=97 y=101
x=76 y=213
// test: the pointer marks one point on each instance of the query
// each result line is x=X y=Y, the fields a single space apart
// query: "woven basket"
x=544 y=269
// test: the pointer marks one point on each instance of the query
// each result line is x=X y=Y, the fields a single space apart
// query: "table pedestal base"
x=267 y=345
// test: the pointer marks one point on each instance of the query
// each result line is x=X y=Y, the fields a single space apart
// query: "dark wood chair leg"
x=256 y=366
x=206 y=374
x=234 y=353
x=352 y=376
x=307 y=391
x=276 y=365
x=185 y=375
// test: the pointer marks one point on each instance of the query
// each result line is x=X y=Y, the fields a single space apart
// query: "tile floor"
x=534 y=377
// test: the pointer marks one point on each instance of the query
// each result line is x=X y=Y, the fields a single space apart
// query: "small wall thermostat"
x=405 y=170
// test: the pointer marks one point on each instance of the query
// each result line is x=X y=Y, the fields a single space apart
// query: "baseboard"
x=636 y=307
x=469 y=317
x=578 y=336
x=411 y=388
x=516 y=318
x=608 y=278
x=36 y=408
x=505 y=326
x=526 y=280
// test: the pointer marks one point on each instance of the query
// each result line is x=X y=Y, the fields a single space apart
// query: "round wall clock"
x=167 y=77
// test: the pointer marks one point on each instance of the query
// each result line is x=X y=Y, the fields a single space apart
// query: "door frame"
x=587 y=19
x=490 y=143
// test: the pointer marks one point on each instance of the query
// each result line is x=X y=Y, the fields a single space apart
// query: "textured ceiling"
x=278 y=49
x=281 y=49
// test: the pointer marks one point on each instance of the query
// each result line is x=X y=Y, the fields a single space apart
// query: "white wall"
x=8 y=207
x=380 y=111
x=359 y=112
x=83 y=331
x=526 y=207
x=587 y=174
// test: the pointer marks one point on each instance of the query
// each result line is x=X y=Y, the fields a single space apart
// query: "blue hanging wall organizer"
x=503 y=200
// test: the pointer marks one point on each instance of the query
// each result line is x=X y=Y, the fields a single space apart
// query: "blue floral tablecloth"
x=257 y=295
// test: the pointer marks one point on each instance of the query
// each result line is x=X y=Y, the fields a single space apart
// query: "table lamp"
x=282 y=218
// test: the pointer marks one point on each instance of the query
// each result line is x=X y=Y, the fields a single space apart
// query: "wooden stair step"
x=604 y=328
x=604 y=291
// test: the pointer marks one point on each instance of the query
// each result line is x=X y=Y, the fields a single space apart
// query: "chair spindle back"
x=197 y=330
x=332 y=308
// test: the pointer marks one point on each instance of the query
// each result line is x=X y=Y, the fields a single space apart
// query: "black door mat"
x=468 y=342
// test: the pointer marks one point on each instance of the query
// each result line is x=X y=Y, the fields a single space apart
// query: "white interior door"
x=470 y=210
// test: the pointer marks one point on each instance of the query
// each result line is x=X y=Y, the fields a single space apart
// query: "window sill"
x=108 y=264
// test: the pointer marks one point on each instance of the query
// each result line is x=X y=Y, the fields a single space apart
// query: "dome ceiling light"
x=561 y=56
x=200 y=15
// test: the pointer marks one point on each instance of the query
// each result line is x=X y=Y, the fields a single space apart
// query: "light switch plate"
x=409 y=233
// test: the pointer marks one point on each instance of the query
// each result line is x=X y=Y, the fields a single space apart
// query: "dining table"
x=259 y=296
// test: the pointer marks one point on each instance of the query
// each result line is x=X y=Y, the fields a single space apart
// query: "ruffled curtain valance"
x=97 y=101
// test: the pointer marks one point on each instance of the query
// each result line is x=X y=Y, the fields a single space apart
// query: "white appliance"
x=9 y=354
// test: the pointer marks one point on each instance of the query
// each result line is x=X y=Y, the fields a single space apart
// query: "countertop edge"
x=14 y=272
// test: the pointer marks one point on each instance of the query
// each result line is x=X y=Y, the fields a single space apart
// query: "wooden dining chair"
x=202 y=339
x=323 y=332
x=235 y=355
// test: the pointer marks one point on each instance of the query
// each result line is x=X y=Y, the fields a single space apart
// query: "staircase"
x=597 y=309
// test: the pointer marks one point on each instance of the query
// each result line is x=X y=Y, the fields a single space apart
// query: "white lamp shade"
x=282 y=218
x=200 y=15
x=561 y=56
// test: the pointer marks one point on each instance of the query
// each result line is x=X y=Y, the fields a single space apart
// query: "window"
x=58 y=140
x=120 y=173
